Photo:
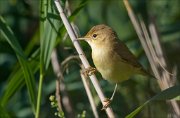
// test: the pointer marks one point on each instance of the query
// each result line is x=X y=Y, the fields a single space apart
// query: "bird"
x=111 y=57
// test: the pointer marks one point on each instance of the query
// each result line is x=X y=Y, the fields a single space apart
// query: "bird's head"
x=99 y=35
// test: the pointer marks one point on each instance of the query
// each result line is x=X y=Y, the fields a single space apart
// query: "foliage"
x=30 y=30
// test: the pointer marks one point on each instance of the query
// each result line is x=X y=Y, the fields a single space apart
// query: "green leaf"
x=11 y=39
x=3 y=113
x=48 y=33
x=16 y=82
x=16 y=79
x=177 y=98
x=167 y=94
x=62 y=29
x=77 y=10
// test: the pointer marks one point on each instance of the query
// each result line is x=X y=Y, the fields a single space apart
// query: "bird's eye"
x=94 y=35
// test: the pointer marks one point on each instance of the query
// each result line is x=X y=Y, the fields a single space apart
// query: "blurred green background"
x=23 y=17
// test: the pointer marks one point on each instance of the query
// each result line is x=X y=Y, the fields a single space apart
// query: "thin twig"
x=68 y=11
x=150 y=49
x=60 y=86
x=90 y=97
x=82 y=57
x=58 y=97
x=69 y=58
x=154 y=53
x=168 y=80
x=55 y=66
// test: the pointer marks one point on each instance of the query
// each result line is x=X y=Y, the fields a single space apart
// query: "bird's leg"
x=89 y=71
x=108 y=101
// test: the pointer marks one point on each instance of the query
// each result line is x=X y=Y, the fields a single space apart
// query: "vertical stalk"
x=43 y=13
x=84 y=60
x=39 y=95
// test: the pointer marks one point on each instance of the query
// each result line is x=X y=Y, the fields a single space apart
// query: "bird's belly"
x=113 y=69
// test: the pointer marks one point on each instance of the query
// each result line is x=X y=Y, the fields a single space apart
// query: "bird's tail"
x=146 y=73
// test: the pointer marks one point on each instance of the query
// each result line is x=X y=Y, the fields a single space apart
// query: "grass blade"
x=16 y=82
x=11 y=39
x=167 y=94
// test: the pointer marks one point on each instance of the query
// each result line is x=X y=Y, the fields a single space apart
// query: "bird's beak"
x=83 y=38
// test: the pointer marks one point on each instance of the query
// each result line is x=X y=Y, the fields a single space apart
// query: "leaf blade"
x=11 y=39
x=167 y=94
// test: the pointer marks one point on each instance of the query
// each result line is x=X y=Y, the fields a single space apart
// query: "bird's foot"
x=107 y=102
x=89 y=71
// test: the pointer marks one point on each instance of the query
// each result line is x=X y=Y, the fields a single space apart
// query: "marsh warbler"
x=111 y=56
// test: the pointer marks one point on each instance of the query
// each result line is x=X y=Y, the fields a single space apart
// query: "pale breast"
x=102 y=61
x=110 y=66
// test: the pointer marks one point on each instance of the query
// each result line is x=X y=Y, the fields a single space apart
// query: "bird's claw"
x=107 y=102
x=89 y=71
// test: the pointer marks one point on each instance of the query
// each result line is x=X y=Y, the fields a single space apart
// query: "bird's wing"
x=123 y=51
x=125 y=54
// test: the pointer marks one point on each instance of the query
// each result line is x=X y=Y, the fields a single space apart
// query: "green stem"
x=39 y=96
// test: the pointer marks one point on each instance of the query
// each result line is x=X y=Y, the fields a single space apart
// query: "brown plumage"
x=111 y=56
